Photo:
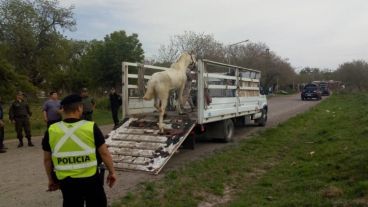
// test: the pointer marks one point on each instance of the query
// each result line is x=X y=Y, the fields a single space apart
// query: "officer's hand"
x=53 y=186
x=111 y=179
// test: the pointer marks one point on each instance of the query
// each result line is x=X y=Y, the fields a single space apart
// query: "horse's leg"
x=164 y=99
x=180 y=98
x=157 y=104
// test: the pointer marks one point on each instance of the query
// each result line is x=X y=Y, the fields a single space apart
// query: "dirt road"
x=23 y=181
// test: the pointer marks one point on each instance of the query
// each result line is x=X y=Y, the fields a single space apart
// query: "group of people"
x=74 y=146
x=20 y=113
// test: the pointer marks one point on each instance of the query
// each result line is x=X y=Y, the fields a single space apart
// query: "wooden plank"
x=138 y=145
x=132 y=160
x=140 y=138
x=132 y=152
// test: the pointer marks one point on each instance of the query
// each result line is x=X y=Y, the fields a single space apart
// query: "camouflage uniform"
x=88 y=105
x=19 y=112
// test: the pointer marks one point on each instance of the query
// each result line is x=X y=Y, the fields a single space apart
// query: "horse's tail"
x=149 y=92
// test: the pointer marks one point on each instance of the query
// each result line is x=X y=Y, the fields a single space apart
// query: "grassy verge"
x=315 y=159
x=38 y=126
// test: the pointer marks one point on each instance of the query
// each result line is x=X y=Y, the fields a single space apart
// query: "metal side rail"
x=137 y=144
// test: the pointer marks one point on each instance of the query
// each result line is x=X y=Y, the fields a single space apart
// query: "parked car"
x=311 y=91
x=325 y=91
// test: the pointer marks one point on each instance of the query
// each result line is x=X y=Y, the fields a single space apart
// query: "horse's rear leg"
x=157 y=104
x=162 y=113
x=180 y=99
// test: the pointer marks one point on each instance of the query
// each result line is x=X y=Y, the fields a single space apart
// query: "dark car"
x=325 y=91
x=311 y=91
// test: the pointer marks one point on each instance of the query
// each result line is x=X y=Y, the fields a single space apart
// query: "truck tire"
x=228 y=130
x=221 y=130
x=263 y=119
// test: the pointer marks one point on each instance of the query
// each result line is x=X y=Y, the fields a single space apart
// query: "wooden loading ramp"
x=137 y=144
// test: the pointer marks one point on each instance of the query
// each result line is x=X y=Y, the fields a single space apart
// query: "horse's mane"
x=179 y=60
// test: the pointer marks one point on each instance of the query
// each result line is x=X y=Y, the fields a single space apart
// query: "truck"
x=225 y=96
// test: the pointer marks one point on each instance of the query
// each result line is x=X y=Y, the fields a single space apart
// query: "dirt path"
x=23 y=181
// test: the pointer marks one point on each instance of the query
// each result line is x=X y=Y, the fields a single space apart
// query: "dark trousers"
x=115 y=116
x=20 y=124
x=79 y=191
x=1 y=137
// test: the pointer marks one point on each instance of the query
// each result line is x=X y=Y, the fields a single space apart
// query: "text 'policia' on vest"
x=73 y=160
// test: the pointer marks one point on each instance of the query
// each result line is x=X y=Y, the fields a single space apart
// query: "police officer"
x=88 y=105
x=115 y=103
x=19 y=114
x=73 y=148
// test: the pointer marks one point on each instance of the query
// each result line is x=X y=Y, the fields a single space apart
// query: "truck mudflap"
x=137 y=144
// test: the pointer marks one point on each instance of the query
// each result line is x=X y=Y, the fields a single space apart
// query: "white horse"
x=160 y=84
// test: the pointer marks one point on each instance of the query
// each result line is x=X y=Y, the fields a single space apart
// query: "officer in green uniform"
x=73 y=148
x=88 y=105
x=19 y=114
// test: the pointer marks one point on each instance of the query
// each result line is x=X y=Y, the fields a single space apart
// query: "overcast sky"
x=316 y=33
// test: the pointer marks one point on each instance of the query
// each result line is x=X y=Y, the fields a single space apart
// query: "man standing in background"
x=2 y=125
x=88 y=105
x=51 y=109
x=19 y=114
x=115 y=103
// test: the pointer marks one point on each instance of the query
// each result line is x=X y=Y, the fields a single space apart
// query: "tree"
x=30 y=29
x=103 y=59
x=204 y=46
x=11 y=82
x=275 y=70
x=353 y=74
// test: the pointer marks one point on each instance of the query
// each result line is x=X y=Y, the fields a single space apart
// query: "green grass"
x=318 y=158
x=102 y=116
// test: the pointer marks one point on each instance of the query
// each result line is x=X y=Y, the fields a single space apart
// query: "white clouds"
x=309 y=33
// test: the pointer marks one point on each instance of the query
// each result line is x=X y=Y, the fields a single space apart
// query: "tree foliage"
x=275 y=70
x=103 y=59
x=353 y=74
x=11 y=81
x=30 y=31
x=203 y=45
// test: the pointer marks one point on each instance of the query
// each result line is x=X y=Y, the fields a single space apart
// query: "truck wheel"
x=220 y=130
x=263 y=119
x=228 y=130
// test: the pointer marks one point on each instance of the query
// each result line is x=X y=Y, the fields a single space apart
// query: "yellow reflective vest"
x=73 y=149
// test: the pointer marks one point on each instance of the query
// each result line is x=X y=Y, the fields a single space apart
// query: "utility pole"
x=229 y=46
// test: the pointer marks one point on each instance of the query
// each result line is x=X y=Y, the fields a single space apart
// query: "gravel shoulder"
x=23 y=180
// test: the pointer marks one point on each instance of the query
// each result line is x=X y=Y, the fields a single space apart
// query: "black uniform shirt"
x=115 y=100
x=98 y=136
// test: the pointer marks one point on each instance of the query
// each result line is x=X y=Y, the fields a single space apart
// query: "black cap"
x=74 y=98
